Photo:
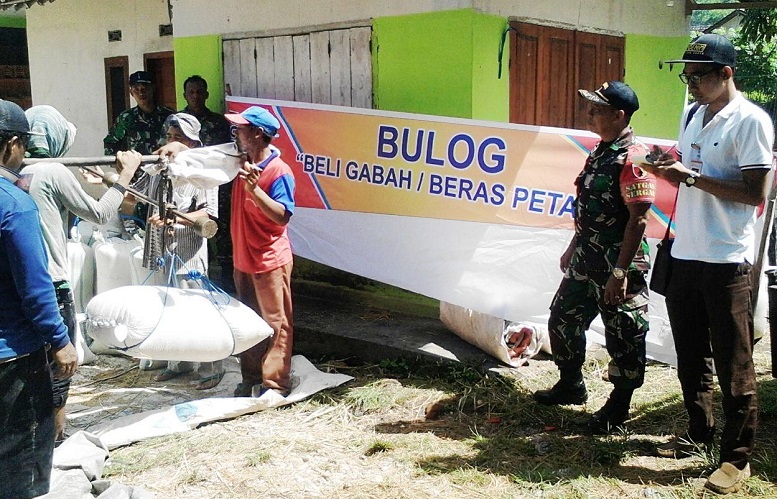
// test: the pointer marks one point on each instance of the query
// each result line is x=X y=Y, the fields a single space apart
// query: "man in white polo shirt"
x=726 y=152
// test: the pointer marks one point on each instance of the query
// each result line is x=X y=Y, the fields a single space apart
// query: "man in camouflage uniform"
x=215 y=127
x=138 y=128
x=215 y=130
x=605 y=263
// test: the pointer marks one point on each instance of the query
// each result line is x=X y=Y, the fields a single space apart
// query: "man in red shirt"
x=262 y=205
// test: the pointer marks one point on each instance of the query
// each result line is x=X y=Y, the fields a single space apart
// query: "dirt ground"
x=407 y=430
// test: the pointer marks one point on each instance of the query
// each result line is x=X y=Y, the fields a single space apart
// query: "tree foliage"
x=759 y=26
x=756 y=42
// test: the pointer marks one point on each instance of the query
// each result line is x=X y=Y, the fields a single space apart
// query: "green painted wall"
x=490 y=95
x=661 y=94
x=445 y=63
x=13 y=22
x=440 y=63
x=425 y=63
x=200 y=55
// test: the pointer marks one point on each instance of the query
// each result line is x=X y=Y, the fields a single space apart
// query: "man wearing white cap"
x=191 y=249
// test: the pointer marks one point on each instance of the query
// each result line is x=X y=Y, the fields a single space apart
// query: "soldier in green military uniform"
x=138 y=128
x=605 y=263
x=215 y=130
x=215 y=127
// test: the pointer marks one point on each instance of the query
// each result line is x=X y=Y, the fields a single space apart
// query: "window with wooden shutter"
x=548 y=65
x=324 y=67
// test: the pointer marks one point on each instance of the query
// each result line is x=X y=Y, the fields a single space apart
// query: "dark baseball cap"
x=140 y=77
x=13 y=119
x=613 y=93
x=710 y=49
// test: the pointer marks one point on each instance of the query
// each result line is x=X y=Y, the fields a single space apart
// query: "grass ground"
x=407 y=430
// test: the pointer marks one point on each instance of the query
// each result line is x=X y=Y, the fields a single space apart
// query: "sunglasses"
x=694 y=78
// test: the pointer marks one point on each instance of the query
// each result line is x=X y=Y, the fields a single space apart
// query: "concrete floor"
x=346 y=324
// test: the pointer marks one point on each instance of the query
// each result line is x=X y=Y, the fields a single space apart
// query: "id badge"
x=696 y=162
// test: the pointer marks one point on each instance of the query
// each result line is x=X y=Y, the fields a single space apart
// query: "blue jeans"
x=26 y=427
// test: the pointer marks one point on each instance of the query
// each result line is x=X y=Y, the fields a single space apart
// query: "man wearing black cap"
x=138 y=128
x=726 y=154
x=605 y=264
x=30 y=323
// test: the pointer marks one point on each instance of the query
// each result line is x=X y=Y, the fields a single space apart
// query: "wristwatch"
x=619 y=273
x=690 y=180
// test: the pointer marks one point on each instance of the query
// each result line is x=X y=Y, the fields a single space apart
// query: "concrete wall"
x=648 y=17
x=616 y=16
x=233 y=16
x=661 y=94
x=440 y=63
x=200 y=55
x=438 y=56
x=13 y=21
x=68 y=41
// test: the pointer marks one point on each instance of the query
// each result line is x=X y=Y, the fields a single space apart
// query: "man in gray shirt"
x=57 y=193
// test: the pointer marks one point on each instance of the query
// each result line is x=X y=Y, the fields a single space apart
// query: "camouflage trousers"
x=579 y=299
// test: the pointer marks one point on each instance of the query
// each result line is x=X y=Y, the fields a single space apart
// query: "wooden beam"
x=691 y=5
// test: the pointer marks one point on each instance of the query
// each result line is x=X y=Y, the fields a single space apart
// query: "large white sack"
x=85 y=354
x=163 y=323
x=490 y=333
x=82 y=273
x=206 y=167
x=112 y=258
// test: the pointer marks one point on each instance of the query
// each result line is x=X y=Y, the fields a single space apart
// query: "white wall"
x=643 y=17
x=235 y=16
x=649 y=17
x=68 y=41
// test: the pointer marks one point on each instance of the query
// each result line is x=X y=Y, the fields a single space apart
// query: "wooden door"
x=162 y=66
x=116 y=86
x=548 y=65
x=600 y=59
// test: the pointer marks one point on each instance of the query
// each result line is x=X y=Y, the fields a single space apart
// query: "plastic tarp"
x=306 y=380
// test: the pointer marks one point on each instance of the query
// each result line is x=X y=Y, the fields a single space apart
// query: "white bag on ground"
x=490 y=333
x=156 y=322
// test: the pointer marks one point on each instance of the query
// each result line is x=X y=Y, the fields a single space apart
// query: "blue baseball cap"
x=258 y=117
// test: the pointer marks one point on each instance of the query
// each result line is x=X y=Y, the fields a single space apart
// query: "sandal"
x=166 y=375
x=209 y=382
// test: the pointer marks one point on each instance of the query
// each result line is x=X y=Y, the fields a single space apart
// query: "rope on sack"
x=217 y=296
x=161 y=264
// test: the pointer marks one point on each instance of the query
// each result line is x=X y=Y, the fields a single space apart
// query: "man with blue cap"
x=262 y=205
